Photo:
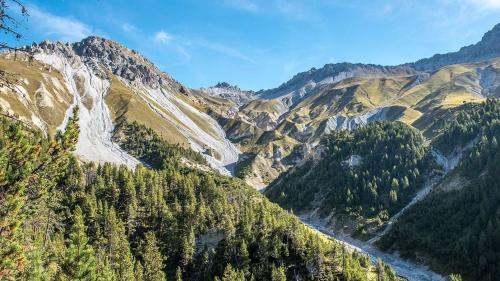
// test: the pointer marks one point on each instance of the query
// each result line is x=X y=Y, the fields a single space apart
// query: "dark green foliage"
x=79 y=262
x=153 y=260
x=29 y=168
x=466 y=125
x=146 y=145
x=370 y=172
x=459 y=231
x=111 y=223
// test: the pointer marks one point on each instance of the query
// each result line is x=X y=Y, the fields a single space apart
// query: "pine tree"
x=393 y=195
x=36 y=269
x=243 y=255
x=138 y=271
x=231 y=274
x=104 y=270
x=178 y=274
x=118 y=247
x=278 y=274
x=26 y=161
x=153 y=260
x=79 y=259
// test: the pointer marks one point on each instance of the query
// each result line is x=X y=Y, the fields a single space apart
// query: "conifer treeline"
x=370 y=172
x=459 y=230
x=61 y=220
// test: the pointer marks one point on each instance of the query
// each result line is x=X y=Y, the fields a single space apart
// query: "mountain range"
x=269 y=129
x=348 y=146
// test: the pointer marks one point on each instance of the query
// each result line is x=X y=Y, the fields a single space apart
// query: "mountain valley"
x=202 y=184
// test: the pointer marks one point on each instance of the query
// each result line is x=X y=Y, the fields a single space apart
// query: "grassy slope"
x=49 y=105
x=125 y=103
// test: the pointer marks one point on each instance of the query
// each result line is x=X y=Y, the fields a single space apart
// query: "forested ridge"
x=64 y=220
x=147 y=146
x=466 y=125
x=459 y=230
x=368 y=173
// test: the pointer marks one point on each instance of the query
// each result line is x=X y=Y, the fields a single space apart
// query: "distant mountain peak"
x=225 y=85
x=487 y=48
x=230 y=92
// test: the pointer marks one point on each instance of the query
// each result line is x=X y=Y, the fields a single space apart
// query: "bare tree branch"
x=10 y=11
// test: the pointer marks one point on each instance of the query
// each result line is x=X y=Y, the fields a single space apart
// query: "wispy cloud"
x=246 y=5
x=484 y=5
x=162 y=37
x=62 y=28
x=225 y=50
x=292 y=9
x=127 y=27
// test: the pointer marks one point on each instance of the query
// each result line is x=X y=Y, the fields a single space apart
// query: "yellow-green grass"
x=32 y=77
x=196 y=118
x=124 y=102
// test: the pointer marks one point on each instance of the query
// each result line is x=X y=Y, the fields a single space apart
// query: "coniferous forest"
x=371 y=172
x=112 y=169
x=459 y=230
x=65 y=220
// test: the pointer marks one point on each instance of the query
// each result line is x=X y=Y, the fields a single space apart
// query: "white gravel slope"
x=96 y=126
x=199 y=138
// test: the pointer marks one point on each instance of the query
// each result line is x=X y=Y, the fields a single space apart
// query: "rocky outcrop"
x=96 y=52
x=230 y=92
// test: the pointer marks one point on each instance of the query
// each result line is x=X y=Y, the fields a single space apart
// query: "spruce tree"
x=79 y=258
x=278 y=274
x=153 y=260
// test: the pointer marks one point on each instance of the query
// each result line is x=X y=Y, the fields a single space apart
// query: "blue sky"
x=261 y=43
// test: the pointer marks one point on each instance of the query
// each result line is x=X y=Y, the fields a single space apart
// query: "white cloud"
x=63 y=28
x=162 y=37
x=128 y=27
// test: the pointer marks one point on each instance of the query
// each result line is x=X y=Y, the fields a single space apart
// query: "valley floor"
x=403 y=268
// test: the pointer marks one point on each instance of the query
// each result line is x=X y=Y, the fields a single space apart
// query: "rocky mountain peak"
x=492 y=36
x=107 y=55
x=230 y=92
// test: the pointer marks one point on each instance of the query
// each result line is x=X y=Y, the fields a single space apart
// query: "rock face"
x=487 y=48
x=119 y=60
x=346 y=96
x=230 y=92
x=268 y=124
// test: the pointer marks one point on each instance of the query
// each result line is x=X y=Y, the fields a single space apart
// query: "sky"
x=259 y=44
